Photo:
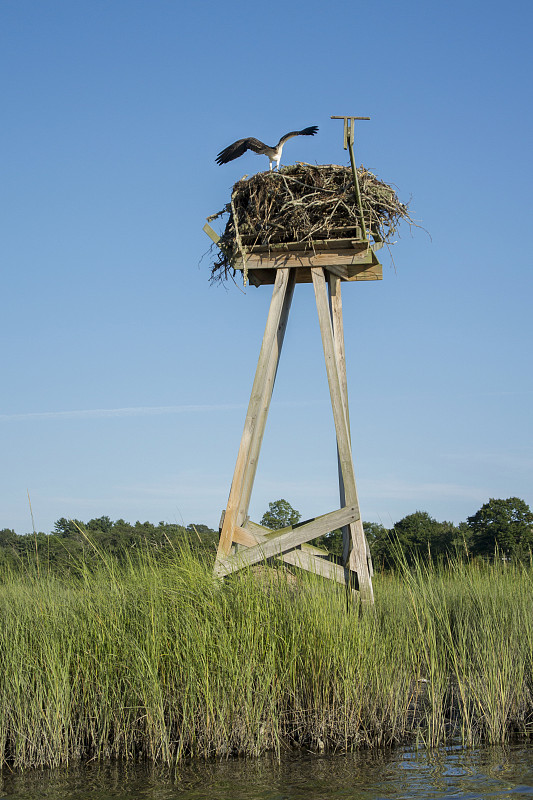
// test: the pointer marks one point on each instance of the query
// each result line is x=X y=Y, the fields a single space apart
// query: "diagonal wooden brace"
x=350 y=533
x=257 y=410
x=285 y=542
x=306 y=556
x=335 y=371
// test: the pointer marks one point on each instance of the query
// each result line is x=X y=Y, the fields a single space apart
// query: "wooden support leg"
x=350 y=534
x=335 y=304
x=264 y=405
x=257 y=411
x=358 y=561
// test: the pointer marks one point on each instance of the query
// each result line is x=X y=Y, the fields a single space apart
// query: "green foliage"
x=419 y=535
x=7 y=537
x=332 y=542
x=74 y=542
x=280 y=514
x=378 y=540
x=506 y=525
x=503 y=525
x=376 y=536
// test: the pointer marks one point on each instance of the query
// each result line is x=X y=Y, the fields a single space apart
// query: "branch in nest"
x=319 y=200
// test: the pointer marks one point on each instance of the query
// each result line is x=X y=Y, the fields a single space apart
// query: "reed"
x=158 y=661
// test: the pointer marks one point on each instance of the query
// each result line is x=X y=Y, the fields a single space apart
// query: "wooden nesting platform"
x=349 y=259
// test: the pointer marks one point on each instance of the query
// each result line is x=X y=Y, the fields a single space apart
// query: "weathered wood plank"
x=308 y=258
x=264 y=403
x=242 y=536
x=374 y=273
x=339 y=271
x=251 y=534
x=259 y=389
x=327 y=569
x=352 y=243
x=287 y=541
x=335 y=302
x=365 y=272
x=309 y=558
x=254 y=527
x=358 y=561
x=211 y=233
x=354 y=532
x=335 y=386
x=313 y=550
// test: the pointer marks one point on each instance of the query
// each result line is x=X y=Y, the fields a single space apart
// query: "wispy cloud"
x=103 y=413
x=138 y=411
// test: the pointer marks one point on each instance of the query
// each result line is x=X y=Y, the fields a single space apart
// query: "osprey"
x=273 y=153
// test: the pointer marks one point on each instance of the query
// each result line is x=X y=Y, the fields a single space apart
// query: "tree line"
x=502 y=527
x=73 y=543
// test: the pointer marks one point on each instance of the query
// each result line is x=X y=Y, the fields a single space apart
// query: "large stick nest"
x=304 y=203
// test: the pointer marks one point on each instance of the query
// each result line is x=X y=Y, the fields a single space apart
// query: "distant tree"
x=463 y=540
x=422 y=536
x=280 y=514
x=200 y=536
x=374 y=532
x=416 y=531
x=8 y=537
x=378 y=538
x=102 y=524
x=506 y=525
x=9 y=548
x=68 y=528
x=417 y=535
x=74 y=545
x=333 y=541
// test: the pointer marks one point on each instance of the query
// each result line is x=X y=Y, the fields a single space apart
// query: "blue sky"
x=125 y=376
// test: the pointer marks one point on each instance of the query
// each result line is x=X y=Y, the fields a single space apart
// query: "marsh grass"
x=158 y=661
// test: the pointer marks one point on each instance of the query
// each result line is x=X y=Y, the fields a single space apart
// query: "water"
x=496 y=773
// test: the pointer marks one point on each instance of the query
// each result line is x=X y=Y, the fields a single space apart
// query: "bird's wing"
x=306 y=132
x=238 y=148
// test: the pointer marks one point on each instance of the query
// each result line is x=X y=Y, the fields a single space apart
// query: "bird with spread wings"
x=273 y=154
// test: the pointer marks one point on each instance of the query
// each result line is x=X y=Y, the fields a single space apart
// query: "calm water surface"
x=489 y=773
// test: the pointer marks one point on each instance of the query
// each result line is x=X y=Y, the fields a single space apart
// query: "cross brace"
x=290 y=544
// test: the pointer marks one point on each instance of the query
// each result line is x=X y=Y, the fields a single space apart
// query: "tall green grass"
x=159 y=661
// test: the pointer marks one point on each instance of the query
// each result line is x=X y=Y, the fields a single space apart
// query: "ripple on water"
x=497 y=773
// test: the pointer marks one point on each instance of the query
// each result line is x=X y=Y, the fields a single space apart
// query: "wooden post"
x=264 y=403
x=357 y=559
x=257 y=411
x=335 y=300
